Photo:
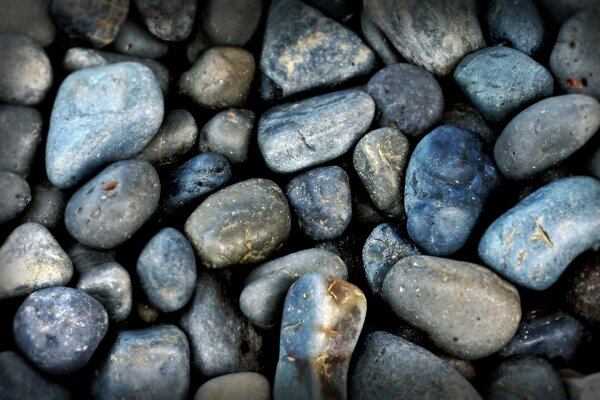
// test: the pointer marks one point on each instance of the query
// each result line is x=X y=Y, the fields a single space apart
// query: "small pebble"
x=15 y=198
x=517 y=23
x=28 y=17
x=583 y=295
x=230 y=22
x=377 y=40
x=464 y=116
x=170 y=20
x=583 y=388
x=47 y=205
x=134 y=40
x=20 y=134
x=239 y=386
x=228 y=133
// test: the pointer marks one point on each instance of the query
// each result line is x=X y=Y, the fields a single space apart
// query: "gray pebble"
x=238 y=386
x=134 y=40
x=228 y=133
x=466 y=117
x=170 y=20
x=517 y=23
x=377 y=40
x=15 y=198
x=28 y=17
x=584 y=387
x=230 y=22
x=20 y=134
x=47 y=205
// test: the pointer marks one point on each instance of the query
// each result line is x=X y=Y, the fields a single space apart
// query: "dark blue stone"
x=517 y=23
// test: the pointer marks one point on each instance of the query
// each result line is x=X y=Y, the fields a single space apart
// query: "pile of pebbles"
x=238 y=199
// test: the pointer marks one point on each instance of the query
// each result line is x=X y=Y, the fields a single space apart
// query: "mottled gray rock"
x=20 y=134
x=47 y=205
x=517 y=23
x=238 y=386
x=377 y=40
x=28 y=17
x=134 y=40
x=466 y=117
x=228 y=133
x=230 y=22
x=171 y=20
x=584 y=387
x=15 y=198
x=561 y=10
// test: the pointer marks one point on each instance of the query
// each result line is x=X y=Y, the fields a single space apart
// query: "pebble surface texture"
x=88 y=132
x=230 y=22
x=309 y=132
x=239 y=386
x=170 y=20
x=28 y=17
x=58 y=329
x=533 y=242
x=135 y=41
x=16 y=196
x=467 y=310
x=228 y=133
x=517 y=23
x=20 y=134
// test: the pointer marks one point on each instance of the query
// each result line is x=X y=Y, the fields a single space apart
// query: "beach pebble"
x=16 y=196
x=228 y=133
x=517 y=23
x=238 y=386
x=230 y=22
x=28 y=17
x=20 y=134
x=134 y=40
x=170 y=20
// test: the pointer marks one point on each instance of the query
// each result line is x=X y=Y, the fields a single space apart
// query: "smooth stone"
x=583 y=295
x=87 y=131
x=170 y=20
x=517 y=23
x=47 y=205
x=174 y=139
x=583 y=388
x=561 y=10
x=133 y=40
x=309 y=132
x=408 y=98
x=526 y=378
x=322 y=202
x=167 y=270
x=264 y=291
x=20 y=135
x=377 y=40
x=20 y=381
x=500 y=81
x=58 y=329
x=223 y=340
x=594 y=162
x=464 y=116
x=16 y=196
x=31 y=259
x=546 y=133
x=94 y=23
x=152 y=363
x=533 y=242
x=380 y=159
x=230 y=22
x=322 y=320
x=384 y=247
x=28 y=17
x=466 y=309
x=111 y=207
x=303 y=50
x=194 y=179
x=238 y=386
x=228 y=133
x=388 y=366
x=241 y=224
x=448 y=181
x=25 y=70
x=431 y=34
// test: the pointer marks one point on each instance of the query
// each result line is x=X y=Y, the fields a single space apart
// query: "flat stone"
x=322 y=319
x=58 y=329
x=390 y=367
x=47 y=205
x=228 y=133
x=28 y=17
x=87 y=132
x=583 y=295
x=31 y=259
x=110 y=208
x=377 y=40
x=265 y=288
x=242 y=385
x=466 y=117
x=583 y=388
x=466 y=309
x=309 y=132
x=533 y=242
x=517 y=23
x=230 y=22
x=134 y=40
x=20 y=134
x=15 y=198
x=304 y=50
x=170 y=20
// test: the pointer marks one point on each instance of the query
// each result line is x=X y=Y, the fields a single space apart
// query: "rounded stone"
x=20 y=134
x=47 y=205
x=238 y=386
x=170 y=20
x=517 y=23
x=134 y=40
x=28 y=17
x=230 y=22
x=228 y=133
x=583 y=294
x=15 y=198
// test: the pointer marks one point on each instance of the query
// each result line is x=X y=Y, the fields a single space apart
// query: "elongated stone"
x=134 y=40
x=170 y=20
x=228 y=133
x=28 y=17
x=20 y=134
x=16 y=196
x=533 y=242
x=238 y=386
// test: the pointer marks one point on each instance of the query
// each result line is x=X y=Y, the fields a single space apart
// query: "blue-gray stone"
x=448 y=181
x=58 y=329
x=238 y=386
x=16 y=196
x=390 y=367
x=230 y=22
x=377 y=40
x=20 y=134
x=89 y=128
x=500 y=81
x=303 y=50
x=466 y=117
x=47 y=205
x=322 y=202
x=167 y=270
x=583 y=387
x=517 y=23
x=266 y=286
x=228 y=133
x=133 y=40
x=152 y=363
x=309 y=132
x=28 y=17
x=322 y=320
x=533 y=242
x=170 y=20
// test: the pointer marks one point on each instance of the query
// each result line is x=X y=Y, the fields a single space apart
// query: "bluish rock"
x=533 y=242
x=89 y=129
x=583 y=295
x=322 y=202
x=583 y=387
x=466 y=117
x=167 y=270
x=170 y=20
x=16 y=196
x=377 y=40
x=20 y=134
x=28 y=17
x=500 y=81
x=322 y=319
x=303 y=50
x=58 y=329
x=228 y=133
x=230 y=22
x=134 y=40
x=309 y=132
x=47 y=205
x=238 y=386
x=517 y=23
x=448 y=181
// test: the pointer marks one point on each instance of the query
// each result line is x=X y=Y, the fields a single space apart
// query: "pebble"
x=309 y=132
x=15 y=198
x=133 y=40
x=20 y=134
x=88 y=132
x=408 y=98
x=464 y=116
x=546 y=133
x=377 y=40
x=47 y=205
x=264 y=291
x=59 y=328
x=230 y=22
x=533 y=242
x=517 y=23
x=221 y=78
x=583 y=295
x=303 y=50
x=561 y=10
x=448 y=181
x=25 y=70
x=167 y=270
x=321 y=323
x=223 y=340
x=28 y=17
x=583 y=388
x=228 y=133
x=238 y=386
x=94 y=23
x=110 y=208
x=466 y=309
x=500 y=81
x=380 y=159
x=170 y=20
x=31 y=259
x=431 y=34
x=390 y=367
x=152 y=363
x=241 y=224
